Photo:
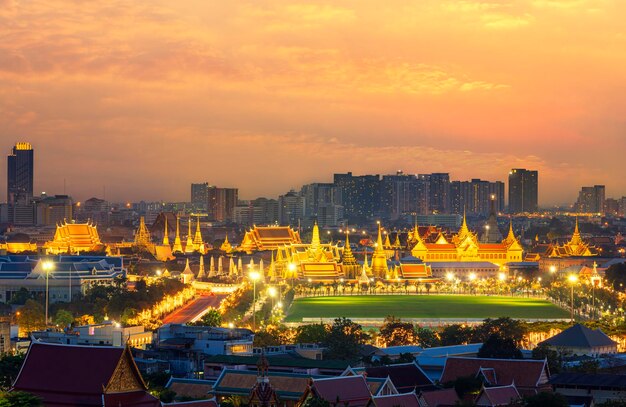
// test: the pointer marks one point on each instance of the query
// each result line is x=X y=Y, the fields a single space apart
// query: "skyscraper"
x=360 y=195
x=404 y=194
x=221 y=203
x=439 y=191
x=523 y=190
x=474 y=197
x=591 y=199
x=200 y=195
x=20 y=170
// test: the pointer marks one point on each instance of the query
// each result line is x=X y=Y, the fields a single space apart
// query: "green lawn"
x=423 y=306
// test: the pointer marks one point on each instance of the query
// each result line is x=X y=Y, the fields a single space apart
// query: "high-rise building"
x=260 y=211
x=611 y=207
x=474 y=197
x=360 y=195
x=404 y=194
x=221 y=203
x=439 y=191
x=523 y=190
x=291 y=208
x=322 y=203
x=591 y=199
x=20 y=174
x=53 y=210
x=200 y=195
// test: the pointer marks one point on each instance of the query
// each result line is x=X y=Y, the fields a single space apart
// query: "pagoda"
x=379 y=258
x=189 y=246
x=178 y=247
x=226 y=247
x=576 y=247
x=142 y=236
x=349 y=264
x=73 y=238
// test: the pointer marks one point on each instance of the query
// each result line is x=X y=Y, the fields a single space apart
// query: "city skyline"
x=298 y=92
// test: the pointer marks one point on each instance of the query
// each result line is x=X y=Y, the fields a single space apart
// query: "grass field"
x=423 y=306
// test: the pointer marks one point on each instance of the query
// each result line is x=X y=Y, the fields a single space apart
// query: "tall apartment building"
x=260 y=211
x=291 y=208
x=439 y=191
x=523 y=190
x=361 y=195
x=404 y=194
x=591 y=199
x=200 y=195
x=20 y=174
x=474 y=197
x=221 y=203
x=322 y=203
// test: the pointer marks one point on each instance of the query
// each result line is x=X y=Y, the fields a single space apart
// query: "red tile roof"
x=445 y=397
x=497 y=396
x=405 y=377
x=524 y=373
x=343 y=390
x=393 y=400
x=74 y=375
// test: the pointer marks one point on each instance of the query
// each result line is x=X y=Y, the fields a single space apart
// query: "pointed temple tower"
x=492 y=232
x=166 y=235
x=201 y=272
x=189 y=246
x=349 y=263
x=198 y=243
x=142 y=237
x=178 y=247
x=379 y=258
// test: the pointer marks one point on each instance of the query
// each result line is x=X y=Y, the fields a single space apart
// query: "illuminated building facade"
x=75 y=238
x=591 y=199
x=221 y=203
x=465 y=246
x=575 y=247
x=20 y=174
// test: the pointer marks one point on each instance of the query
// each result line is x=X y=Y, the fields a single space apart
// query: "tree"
x=426 y=338
x=555 y=360
x=344 y=340
x=466 y=385
x=31 y=316
x=265 y=338
x=616 y=275
x=405 y=358
x=19 y=399
x=394 y=332
x=63 y=318
x=497 y=347
x=505 y=327
x=587 y=366
x=314 y=333
x=9 y=368
x=20 y=296
x=545 y=399
x=211 y=318
x=456 y=334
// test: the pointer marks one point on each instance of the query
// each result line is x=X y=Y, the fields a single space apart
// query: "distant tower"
x=197 y=239
x=189 y=246
x=142 y=236
x=20 y=173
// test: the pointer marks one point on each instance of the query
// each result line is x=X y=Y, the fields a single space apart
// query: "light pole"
x=573 y=279
x=254 y=276
x=292 y=271
x=47 y=267
x=271 y=291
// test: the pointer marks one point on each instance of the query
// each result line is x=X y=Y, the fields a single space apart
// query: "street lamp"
x=573 y=279
x=254 y=276
x=271 y=291
x=47 y=266
x=292 y=271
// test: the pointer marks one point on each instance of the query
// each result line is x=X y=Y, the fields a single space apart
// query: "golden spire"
x=315 y=239
x=178 y=247
x=387 y=241
x=197 y=240
x=379 y=241
x=166 y=237
x=189 y=247
x=142 y=237
x=511 y=235
x=396 y=243
x=226 y=246
x=201 y=272
x=464 y=229
x=348 y=257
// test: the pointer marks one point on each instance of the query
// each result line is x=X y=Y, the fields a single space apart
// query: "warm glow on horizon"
x=144 y=98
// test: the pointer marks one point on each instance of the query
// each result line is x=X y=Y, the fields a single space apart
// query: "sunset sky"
x=147 y=96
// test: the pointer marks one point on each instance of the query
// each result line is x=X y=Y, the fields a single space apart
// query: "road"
x=193 y=308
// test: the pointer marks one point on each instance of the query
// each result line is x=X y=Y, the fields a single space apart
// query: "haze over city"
x=147 y=97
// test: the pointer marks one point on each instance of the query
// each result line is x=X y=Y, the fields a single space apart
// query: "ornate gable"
x=126 y=376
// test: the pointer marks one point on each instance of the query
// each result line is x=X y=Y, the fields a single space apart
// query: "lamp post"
x=47 y=267
x=254 y=276
x=271 y=291
x=292 y=271
x=573 y=279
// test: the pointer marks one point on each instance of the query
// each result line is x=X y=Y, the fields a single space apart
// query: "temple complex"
x=464 y=246
x=75 y=238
